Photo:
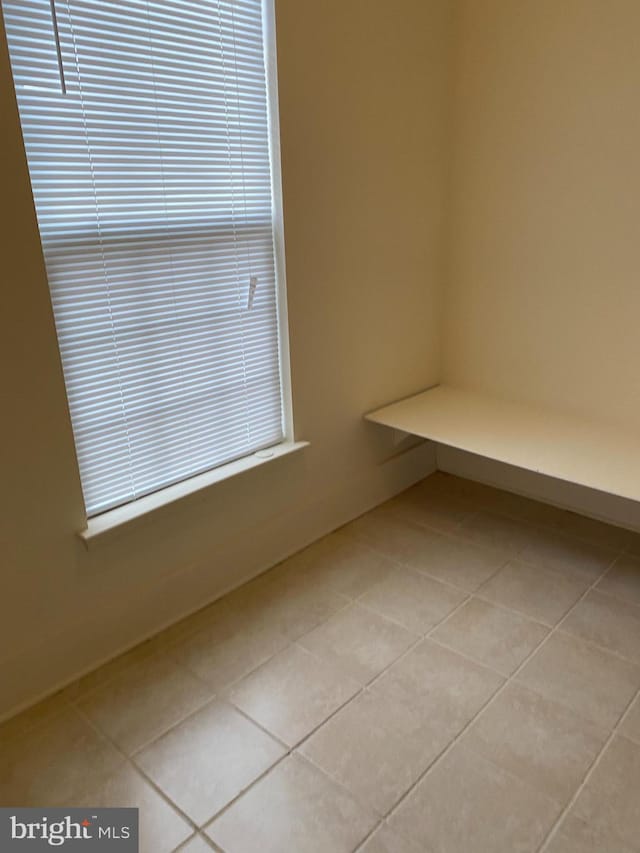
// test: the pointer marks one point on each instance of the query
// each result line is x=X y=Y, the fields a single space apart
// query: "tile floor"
x=458 y=671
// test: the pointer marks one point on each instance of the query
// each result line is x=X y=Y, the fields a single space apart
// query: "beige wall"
x=363 y=101
x=543 y=301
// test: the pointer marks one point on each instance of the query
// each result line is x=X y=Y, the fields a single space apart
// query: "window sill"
x=102 y=528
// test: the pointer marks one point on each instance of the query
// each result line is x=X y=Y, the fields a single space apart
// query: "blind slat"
x=152 y=183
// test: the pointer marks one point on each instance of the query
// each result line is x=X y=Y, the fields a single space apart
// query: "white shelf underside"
x=589 y=454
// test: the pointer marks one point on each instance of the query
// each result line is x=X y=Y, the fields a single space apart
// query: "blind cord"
x=56 y=36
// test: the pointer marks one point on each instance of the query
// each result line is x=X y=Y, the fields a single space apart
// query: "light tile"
x=387 y=533
x=588 y=680
x=52 y=764
x=498 y=638
x=444 y=687
x=360 y=641
x=347 y=566
x=376 y=747
x=294 y=808
x=144 y=701
x=623 y=580
x=217 y=613
x=355 y=601
x=607 y=622
x=547 y=746
x=207 y=760
x=631 y=725
x=103 y=674
x=287 y=600
x=577 y=836
x=220 y=662
x=555 y=550
x=161 y=828
x=413 y=600
x=293 y=693
x=466 y=804
x=434 y=509
x=461 y=563
x=594 y=531
x=609 y=801
x=496 y=531
x=523 y=509
x=542 y=594
x=446 y=558
x=385 y=840
x=401 y=540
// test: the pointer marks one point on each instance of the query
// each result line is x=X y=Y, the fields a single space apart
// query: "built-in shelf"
x=599 y=456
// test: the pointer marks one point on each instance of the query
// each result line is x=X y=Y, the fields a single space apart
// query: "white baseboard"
x=599 y=505
x=55 y=661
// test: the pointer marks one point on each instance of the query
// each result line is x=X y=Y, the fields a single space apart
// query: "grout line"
x=128 y=760
x=287 y=748
x=479 y=506
x=183 y=844
x=427 y=635
x=368 y=836
x=451 y=535
x=77 y=702
x=504 y=675
x=364 y=689
x=294 y=750
x=507 y=554
x=425 y=572
x=205 y=840
x=561 y=510
x=591 y=770
x=617 y=598
x=220 y=693
x=214 y=697
x=592 y=645
x=291 y=750
x=212 y=818
x=169 y=644
x=508 y=610
x=224 y=697
x=572 y=574
x=489 y=702
x=131 y=758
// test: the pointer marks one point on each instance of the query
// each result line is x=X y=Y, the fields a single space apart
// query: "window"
x=146 y=126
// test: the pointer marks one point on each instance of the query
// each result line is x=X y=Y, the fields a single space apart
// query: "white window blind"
x=147 y=135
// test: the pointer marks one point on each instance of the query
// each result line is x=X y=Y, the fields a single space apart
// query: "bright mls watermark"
x=73 y=830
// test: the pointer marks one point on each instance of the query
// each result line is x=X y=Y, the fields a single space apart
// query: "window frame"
x=101 y=526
